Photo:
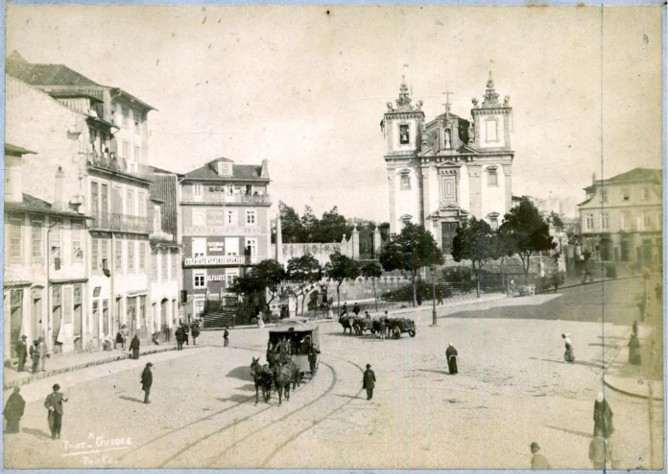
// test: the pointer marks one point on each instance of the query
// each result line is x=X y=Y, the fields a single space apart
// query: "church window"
x=404 y=135
x=492 y=177
x=491 y=130
x=405 y=181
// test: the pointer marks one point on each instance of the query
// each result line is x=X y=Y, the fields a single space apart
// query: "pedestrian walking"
x=634 y=350
x=313 y=358
x=226 y=337
x=14 y=409
x=369 y=381
x=54 y=404
x=147 y=381
x=451 y=357
x=21 y=353
x=186 y=329
x=538 y=461
x=194 y=332
x=134 y=347
x=602 y=417
x=34 y=355
x=179 y=338
x=43 y=354
x=600 y=452
x=569 y=355
x=439 y=296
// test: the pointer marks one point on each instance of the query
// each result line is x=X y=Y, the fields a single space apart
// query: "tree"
x=556 y=220
x=411 y=249
x=527 y=231
x=503 y=247
x=474 y=241
x=267 y=274
x=340 y=268
x=372 y=270
x=291 y=224
x=331 y=227
x=304 y=270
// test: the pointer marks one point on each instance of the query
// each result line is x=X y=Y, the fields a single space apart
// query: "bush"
x=405 y=293
x=459 y=278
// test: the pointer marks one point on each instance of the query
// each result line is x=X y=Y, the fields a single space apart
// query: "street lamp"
x=434 y=321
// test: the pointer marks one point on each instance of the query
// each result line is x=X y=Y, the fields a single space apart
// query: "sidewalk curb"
x=607 y=383
x=85 y=365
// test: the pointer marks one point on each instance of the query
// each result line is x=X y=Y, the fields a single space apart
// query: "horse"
x=285 y=375
x=347 y=323
x=263 y=379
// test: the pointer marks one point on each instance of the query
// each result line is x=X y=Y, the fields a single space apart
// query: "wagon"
x=404 y=325
x=302 y=339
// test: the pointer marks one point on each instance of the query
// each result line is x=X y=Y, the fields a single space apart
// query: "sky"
x=306 y=87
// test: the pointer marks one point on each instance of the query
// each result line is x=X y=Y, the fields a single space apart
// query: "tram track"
x=237 y=421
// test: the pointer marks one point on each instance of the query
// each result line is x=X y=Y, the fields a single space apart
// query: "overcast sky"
x=306 y=89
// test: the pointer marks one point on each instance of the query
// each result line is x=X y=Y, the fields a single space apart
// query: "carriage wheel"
x=412 y=332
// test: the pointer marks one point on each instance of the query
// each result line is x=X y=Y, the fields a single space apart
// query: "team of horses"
x=279 y=374
x=383 y=326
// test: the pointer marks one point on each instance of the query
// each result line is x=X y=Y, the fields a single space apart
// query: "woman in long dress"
x=451 y=356
x=569 y=355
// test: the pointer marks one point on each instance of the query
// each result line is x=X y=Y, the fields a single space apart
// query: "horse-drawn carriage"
x=292 y=350
x=297 y=341
x=392 y=327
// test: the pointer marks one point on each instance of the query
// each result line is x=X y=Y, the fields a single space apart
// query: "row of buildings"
x=96 y=237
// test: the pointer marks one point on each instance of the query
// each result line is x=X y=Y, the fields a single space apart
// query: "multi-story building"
x=621 y=219
x=97 y=135
x=450 y=168
x=165 y=261
x=45 y=278
x=226 y=227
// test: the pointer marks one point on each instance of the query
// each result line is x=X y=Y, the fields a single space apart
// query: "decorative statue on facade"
x=506 y=101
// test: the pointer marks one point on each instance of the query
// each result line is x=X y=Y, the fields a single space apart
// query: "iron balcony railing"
x=220 y=198
x=121 y=223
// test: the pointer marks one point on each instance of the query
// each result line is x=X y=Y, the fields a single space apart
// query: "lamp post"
x=434 y=321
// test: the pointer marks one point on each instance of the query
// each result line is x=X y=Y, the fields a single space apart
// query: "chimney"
x=264 y=172
x=14 y=179
x=58 y=197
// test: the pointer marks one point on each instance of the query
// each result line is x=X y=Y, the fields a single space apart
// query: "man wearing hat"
x=54 y=404
x=22 y=353
x=147 y=381
x=369 y=381
x=538 y=461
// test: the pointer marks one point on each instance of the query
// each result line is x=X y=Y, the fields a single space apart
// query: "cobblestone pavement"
x=513 y=388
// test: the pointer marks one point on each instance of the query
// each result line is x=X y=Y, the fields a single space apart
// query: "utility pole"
x=434 y=321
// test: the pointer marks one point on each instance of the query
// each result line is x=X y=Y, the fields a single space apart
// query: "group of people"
x=601 y=453
x=15 y=408
x=183 y=331
x=37 y=351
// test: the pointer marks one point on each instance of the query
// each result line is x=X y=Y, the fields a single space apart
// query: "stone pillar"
x=508 y=185
x=425 y=208
x=279 y=240
x=377 y=242
x=475 y=190
x=355 y=244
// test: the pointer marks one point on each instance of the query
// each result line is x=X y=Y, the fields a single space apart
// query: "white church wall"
x=463 y=196
x=406 y=200
x=493 y=197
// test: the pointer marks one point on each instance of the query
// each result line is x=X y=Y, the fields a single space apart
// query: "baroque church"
x=443 y=171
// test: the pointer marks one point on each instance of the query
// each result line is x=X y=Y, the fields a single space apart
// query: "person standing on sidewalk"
x=602 y=417
x=451 y=357
x=369 y=381
x=194 y=331
x=226 y=337
x=54 y=404
x=538 y=461
x=14 y=411
x=147 y=381
x=134 y=347
x=21 y=353
x=43 y=354
x=569 y=355
x=34 y=356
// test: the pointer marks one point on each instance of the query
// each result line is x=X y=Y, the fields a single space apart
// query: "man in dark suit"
x=147 y=381
x=369 y=381
x=22 y=353
x=54 y=404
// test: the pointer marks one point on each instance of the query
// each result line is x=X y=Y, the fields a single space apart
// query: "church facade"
x=443 y=171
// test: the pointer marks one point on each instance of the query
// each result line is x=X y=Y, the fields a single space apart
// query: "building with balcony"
x=74 y=124
x=165 y=259
x=224 y=211
x=621 y=219
x=45 y=278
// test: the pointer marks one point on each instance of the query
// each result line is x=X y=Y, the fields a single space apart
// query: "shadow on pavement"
x=131 y=399
x=577 y=362
x=439 y=372
x=241 y=373
x=353 y=397
x=574 y=432
x=249 y=387
x=236 y=398
x=36 y=433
